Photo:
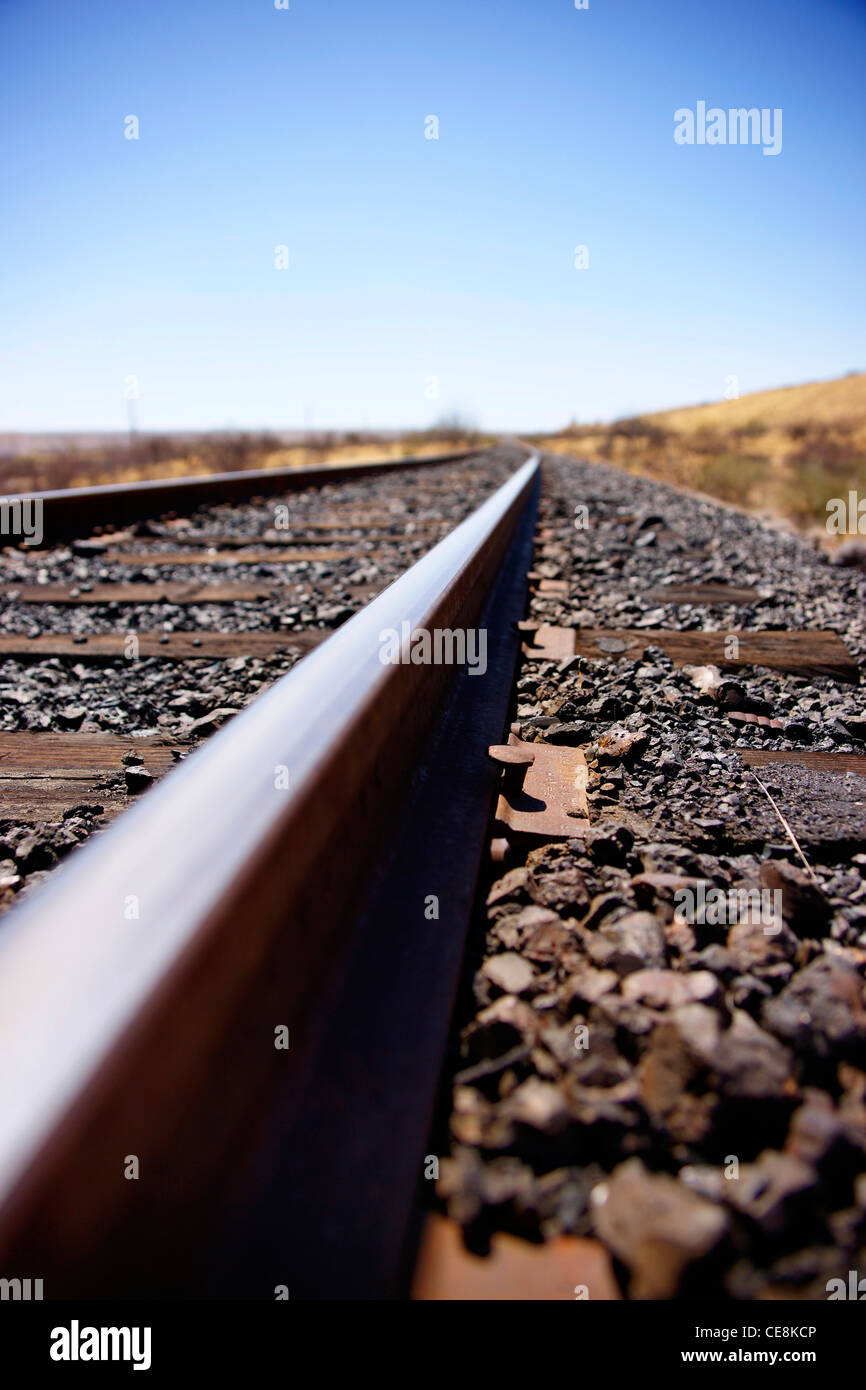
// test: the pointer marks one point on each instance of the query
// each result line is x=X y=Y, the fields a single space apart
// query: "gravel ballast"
x=685 y=1084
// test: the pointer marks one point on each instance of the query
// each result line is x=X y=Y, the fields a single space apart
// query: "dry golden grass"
x=153 y=457
x=815 y=403
x=784 y=453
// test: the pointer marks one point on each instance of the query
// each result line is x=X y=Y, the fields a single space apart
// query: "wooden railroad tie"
x=172 y=646
x=699 y=594
x=170 y=591
x=820 y=653
x=816 y=762
x=144 y=559
x=707 y=594
x=45 y=775
x=270 y=555
x=324 y=533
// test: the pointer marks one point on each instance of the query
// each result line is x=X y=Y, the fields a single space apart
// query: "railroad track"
x=254 y=970
x=142 y=638
x=185 y=954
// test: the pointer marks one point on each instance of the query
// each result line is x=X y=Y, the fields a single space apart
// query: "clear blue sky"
x=412 y=258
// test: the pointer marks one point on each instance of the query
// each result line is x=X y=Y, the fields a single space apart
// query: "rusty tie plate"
x=543 y=789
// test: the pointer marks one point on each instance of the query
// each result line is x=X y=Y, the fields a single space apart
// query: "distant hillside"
x=785 y=452
x=818 y=402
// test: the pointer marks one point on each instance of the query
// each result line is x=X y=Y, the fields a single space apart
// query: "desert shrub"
x=803 y=493
x=824 y=445
x=638 y=428
x=730 y=477
x=707 y=440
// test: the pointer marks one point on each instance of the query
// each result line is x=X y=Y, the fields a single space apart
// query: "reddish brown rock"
x=670 y=989
x=511 y=885
x=538 y=1104
x=630 y=943
x=509 y=972
x=559 y=885
x=804 y=906
x=751 y=945
x=656 y=1227
x=821 y=1011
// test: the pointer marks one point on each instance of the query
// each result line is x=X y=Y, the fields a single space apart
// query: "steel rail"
x=73 y=512
x=141 y=986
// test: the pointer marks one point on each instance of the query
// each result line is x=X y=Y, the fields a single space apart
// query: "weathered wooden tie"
x=706 y=593
x=170 y=591
x=175 y=558
x=172 y=646
x=45 y=775
x=818 y=762
x=821 y=653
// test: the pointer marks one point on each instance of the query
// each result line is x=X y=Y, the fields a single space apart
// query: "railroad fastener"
x=514 y=763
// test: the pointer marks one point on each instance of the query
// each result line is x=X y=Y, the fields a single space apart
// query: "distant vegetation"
x=41 y=462
x=783 y=452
